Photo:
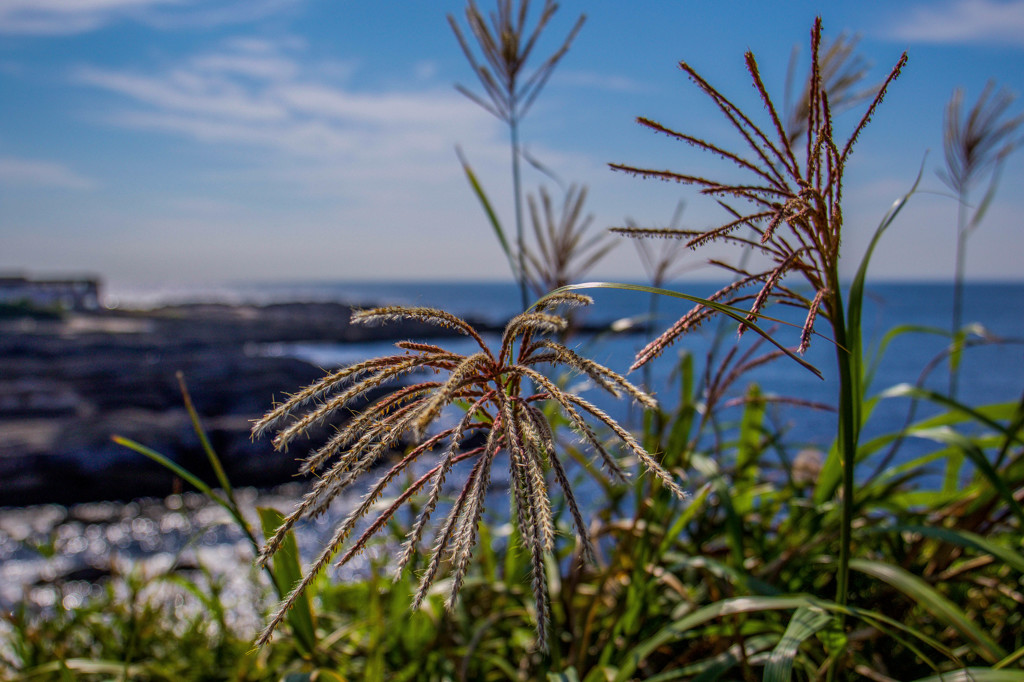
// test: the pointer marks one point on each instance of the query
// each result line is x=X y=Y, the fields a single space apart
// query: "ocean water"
x=992 y=370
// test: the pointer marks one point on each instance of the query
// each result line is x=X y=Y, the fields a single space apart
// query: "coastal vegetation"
x=731 y=552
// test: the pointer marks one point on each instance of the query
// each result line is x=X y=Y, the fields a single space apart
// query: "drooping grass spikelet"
x=491 y=385
x=413 y=538
x=567 y=298
x=627 y=438
x=445 y=394
x=812 y=313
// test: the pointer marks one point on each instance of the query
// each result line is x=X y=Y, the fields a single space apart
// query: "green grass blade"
x=193 y=480
x=832 y=470
x=901 y=633
x=855 y=304
x=738 y=314
x=287 y=573
x=682 y=626
x=215 y=464
x=211 y=455
x=115 y=669
x=751 y=436
x=928 y=598
x=805 y=623
x=1016 y=426
x=492 y=217
x=174 y=468
x=891 y=336
x=976 y=675
x=909 y=391
x=950 y=437
x=682 y=423
x=1017 y=655
x=694 y=505
x=961 y=538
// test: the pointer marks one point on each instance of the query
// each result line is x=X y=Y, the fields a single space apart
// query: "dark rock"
x=67 y=385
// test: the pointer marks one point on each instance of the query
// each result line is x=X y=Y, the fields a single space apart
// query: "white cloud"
x=425 y=70
x=601 y=81
x=68 y=17
x=186 y=91
x=260 y=95
x=964 y=21
x=17 y=172
x=254 y=67
x=60 y=17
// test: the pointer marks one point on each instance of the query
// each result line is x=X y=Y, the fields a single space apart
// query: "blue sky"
x=161 y=141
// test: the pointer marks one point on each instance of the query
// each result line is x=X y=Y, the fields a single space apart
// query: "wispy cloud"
x=68 y=17
x=16 y=172
x=601 y=81
x=36 y=173
x=963 y=22
x=267 y=95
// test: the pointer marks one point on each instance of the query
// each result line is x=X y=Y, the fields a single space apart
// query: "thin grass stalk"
x=975 y=147
x=517 y=198
x=848 y=435
x=958 y=293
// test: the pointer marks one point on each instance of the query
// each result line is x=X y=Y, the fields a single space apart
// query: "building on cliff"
x=82 y=293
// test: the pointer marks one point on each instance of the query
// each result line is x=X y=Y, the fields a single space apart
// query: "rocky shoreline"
x=68 y=383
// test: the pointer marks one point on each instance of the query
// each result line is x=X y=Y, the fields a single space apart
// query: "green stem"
x=513 y=126
x=847 y=453
x=958 y=295
x=847 y=360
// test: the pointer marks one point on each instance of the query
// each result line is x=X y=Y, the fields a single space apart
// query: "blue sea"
x=992 y=369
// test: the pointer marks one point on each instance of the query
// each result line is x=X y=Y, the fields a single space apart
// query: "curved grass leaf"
x=681 y=626
x=899 y=632
x=738 y=314
x=909 y=391
x=855 y=304
x=116 y=669
x=928 y=598
x=175 y=468
x=977 y=675
x=805 y=623
x=724 y=572
x=211 y=454
x=961 y=538
x=694 y=506
x=950 y=437
x=492 y=217
x=288 y=573
x=715 y=668
x=689 y=622
x=831 y=472
x=1016 y=426
x=891 y=336
x=1011 y=659
x=193 y=480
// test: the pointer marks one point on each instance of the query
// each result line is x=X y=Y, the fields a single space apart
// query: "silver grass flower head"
x=487 y=388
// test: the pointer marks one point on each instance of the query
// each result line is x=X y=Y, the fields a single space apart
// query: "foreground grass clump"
x=727 y=582
x=781 y=563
